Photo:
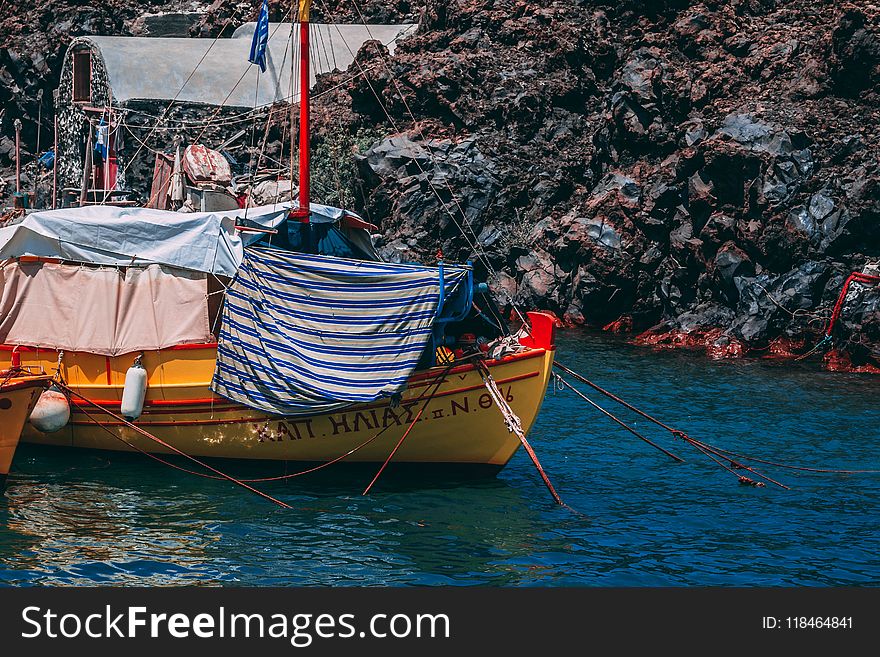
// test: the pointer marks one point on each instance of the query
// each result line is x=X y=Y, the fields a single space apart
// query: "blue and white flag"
x=261 y=38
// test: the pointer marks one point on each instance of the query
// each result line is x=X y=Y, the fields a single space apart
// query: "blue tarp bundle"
x=305 y=334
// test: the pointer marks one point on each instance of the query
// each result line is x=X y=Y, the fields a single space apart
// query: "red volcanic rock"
x=784 y=347
x=709 y=169
x=724 y=347
x=714 y=342
x=623 y=324
x=840 y=361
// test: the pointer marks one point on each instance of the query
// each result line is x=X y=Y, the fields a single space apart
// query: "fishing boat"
x=272 y=333
x=96 y=322
x=19 y=394
x=458 y=425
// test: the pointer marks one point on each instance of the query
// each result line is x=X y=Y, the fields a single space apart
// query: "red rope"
x=410 y=427
x=708 y=449
x=161 y=442
x=838 y=307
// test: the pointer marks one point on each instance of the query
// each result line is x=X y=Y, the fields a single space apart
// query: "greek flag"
x=261 y=38
x=306 y=334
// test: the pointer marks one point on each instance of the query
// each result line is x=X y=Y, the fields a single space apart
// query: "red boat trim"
x=264 y=418
x=175 y=423
x=218 y=401
x=30 y=383
x=177 y=347
x=534 y=353
x=79 y=407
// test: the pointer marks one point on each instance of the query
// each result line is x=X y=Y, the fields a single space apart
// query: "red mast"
x=302 y=211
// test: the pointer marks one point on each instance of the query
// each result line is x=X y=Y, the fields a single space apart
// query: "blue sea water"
x=75 y=518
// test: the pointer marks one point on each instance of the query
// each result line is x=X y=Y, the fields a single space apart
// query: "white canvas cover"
x=107 y=235
x=217 y=71
x=105 y=311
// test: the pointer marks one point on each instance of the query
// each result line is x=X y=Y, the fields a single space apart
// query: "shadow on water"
x=71 y=517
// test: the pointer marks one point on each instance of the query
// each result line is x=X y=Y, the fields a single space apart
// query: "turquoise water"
x=72 y=518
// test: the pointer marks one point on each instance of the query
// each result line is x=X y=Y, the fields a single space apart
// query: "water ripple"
x=79 y=518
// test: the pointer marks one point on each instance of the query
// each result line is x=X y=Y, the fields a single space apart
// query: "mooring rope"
x=514 y=425
x=788 y=466
x=412 y=424
x=741 y=478
x=161 y=442
x=436 y=382
x=827 y=337
x=620 y=401
x=711 y=452
x=565 y=383
x=704 y=449
x=708 y=450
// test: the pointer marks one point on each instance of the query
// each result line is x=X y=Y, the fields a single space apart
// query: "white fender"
x=134 y=392
x=52 y=411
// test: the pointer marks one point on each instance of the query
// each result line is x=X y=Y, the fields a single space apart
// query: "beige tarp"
x=101 y=311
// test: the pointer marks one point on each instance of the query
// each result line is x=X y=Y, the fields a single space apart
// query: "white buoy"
x=52 y=411
x=134 y=391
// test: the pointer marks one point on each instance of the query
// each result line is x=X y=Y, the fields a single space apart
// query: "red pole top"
x=302 y=211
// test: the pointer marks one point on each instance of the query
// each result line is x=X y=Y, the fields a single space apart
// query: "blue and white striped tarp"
x=305 y=334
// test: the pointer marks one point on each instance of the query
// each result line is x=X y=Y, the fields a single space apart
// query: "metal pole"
x=55 y=167
x=17 y=125
x=37 y=151
x=87 y=170
x=304 y=131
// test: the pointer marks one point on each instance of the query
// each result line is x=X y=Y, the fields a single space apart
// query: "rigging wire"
x=475 y=245
x=210 y=120
x=179 y=91
x=734 y=458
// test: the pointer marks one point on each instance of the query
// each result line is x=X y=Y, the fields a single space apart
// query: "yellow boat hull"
x=18 y=396
x=460 y=424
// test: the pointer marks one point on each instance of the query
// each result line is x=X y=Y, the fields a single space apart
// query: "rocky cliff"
x=700 y=174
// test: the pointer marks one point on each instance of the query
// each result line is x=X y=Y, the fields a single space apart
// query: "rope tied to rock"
x=827 y=338
x=728 y=460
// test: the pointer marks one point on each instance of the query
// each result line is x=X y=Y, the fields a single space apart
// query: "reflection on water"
x=92 y=532
x=71 y=517
x=76 y=518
